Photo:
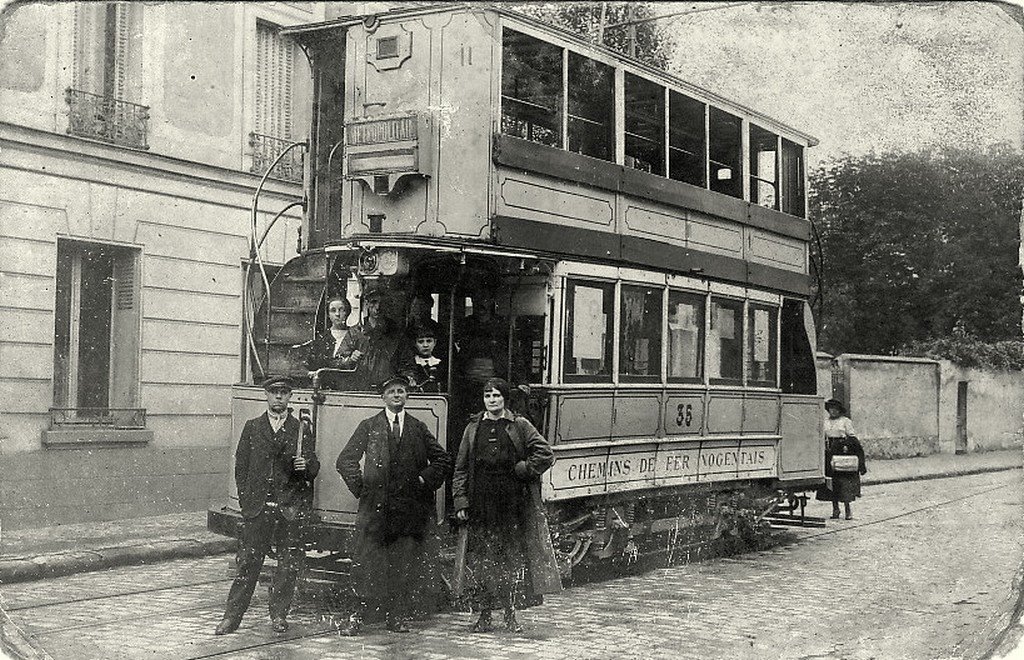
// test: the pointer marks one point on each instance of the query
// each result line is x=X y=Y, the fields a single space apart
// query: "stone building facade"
x=132 y=139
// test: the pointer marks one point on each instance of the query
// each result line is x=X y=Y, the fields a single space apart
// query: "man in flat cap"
x=403 y=464
x=372 y=347
x=275 y=490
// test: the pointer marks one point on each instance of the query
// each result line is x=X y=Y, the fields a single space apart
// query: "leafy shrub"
x=965 y=350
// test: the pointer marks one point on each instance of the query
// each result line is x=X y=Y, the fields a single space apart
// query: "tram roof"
x=566 y=35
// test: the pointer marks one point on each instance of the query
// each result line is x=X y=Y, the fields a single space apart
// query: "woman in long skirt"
x=841 y=446
x=496 y=489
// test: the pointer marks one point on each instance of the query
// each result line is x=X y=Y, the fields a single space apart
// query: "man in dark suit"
x=403 y=466
x=275 y=491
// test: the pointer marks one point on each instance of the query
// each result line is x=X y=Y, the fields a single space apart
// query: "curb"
x=67 y=563
x=938 y=475
x=25 y=569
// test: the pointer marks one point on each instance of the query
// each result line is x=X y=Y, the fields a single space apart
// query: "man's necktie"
x=396 y=430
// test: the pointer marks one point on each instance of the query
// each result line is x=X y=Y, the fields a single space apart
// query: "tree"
x=653 y=43
x=913 y=245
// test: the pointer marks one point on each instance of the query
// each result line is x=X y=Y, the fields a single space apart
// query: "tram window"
x=531 y=89
x=797 y=371
x=590 y=322
x=591 y=108
x=762 y=345
x=792 y=178
x=764 y=183
x=725 y=345
x=645 y=125
x=640 y=340
x=725 y=141
x=685 y=336
x=686 y=153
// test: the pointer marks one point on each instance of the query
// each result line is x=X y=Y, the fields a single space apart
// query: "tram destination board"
x=590 y=471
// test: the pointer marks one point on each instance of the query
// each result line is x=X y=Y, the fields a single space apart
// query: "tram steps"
x=295 y=294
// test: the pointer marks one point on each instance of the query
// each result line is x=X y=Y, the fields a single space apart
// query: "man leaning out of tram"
x=372 y=347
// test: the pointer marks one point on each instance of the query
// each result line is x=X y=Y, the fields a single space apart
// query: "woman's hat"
x=836 y=403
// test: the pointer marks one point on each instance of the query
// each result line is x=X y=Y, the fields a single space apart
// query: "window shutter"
x=124 y=281
x=274 y=70
x=262 y=67
x=121 y=40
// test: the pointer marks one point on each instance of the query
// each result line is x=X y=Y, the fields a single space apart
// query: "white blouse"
x=840 y=427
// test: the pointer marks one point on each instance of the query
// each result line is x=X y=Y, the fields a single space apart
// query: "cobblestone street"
x=924 y=571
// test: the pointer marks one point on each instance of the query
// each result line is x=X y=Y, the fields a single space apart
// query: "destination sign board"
x=590 y=471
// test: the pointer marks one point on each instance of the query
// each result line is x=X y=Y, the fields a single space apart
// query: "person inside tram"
x=325 y=350
x=420 y=307
x=481 y=345
x=425 y=371
x=371 y=348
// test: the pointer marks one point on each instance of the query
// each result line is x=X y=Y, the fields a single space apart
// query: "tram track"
x=257 y=644
x=904 y=514
x=136 y=592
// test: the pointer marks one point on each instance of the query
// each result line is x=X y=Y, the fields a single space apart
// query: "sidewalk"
x=33 y=554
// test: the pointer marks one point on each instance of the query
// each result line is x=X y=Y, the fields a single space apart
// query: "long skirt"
x=496 y=561
x=845 y=488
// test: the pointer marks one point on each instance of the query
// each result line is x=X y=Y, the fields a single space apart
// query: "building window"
x=792 y=178
x=96 y=327
x=531 y=89
x=274 y=117
x=645 y=125
x=591 y=108
x=725 y=341
x=107 y=75
x=764 y=182
x=640 y=339
x=725 y=142
x=685 y=336
x=762 y=340
x=590 y=323
x=687 y=156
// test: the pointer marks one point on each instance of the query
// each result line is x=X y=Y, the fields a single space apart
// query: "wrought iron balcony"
x=108 y=418
x=265 y=148
x=107 y=119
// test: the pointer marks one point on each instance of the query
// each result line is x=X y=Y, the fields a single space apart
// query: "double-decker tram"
x=628 y=250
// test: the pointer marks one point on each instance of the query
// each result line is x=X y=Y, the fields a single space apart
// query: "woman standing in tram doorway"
x=496 y=490
x=844 y=459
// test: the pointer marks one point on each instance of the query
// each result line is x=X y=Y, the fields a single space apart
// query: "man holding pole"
x=275 y=465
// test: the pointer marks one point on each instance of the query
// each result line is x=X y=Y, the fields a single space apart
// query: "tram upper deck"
x=468 y=123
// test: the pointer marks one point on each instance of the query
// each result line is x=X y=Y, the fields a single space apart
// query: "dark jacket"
x=321 y=353
x=263 y=466
x=534 y=457
x=423 y=378
x=380 y=346
x=848 y=446
x=392 y=501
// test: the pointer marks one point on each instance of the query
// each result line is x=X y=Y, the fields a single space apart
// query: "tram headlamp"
x=381 y=261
